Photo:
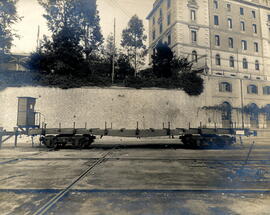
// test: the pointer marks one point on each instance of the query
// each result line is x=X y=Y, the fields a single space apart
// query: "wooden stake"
x=1 y=136
x=16 y=136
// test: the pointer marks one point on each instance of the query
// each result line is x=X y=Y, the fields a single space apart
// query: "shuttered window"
x=225 y=87
x=252 y=89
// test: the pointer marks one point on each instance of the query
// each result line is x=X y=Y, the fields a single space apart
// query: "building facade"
x=13 y=62
x=230 y=39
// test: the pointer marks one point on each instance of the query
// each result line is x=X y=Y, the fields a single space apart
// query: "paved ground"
x=138 y=177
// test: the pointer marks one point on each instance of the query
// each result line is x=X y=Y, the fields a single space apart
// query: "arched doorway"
x=253 y=111
x=266 y=110
x=226 y=115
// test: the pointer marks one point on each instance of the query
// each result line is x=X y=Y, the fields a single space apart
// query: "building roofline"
x=154 y=9
x=253 y=4
x=241 y=1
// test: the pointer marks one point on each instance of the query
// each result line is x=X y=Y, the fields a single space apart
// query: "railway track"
x=49 y=204
x=58 y=196
x=217 y=162
x=12 y=160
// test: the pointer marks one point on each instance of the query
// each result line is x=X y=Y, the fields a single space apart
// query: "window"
x=242 y=26
x=256 y=47
x=266 y=90
x=154 y=35
x=244 y=44
x=225 y=87
x=230 y=41
x=168 y=3
x=154 y=21
x=168 y=19
x=193 y=36
x=257 y=65
x=160 y=28
x=226 y=114
x=229 y=7
x=231 y=61
x=169 y=39
x=193 y=15
x=217 y=40
x=254 y=27
x=253 y=14
x=245 y=63
x=252 y=89
x=215 y=4
x=218 y=61
x=216 y=21
x=241 y=11
x=230 y=23
x=194 y=56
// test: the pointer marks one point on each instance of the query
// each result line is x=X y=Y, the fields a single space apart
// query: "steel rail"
x=12 y=160
x=205 y=160
x=206 y=190
x=55 y=199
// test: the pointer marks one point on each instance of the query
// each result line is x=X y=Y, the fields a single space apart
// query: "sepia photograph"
x=134 y=107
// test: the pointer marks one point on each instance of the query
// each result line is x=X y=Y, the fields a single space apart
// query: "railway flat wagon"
x=29 y=121
x=83 y=137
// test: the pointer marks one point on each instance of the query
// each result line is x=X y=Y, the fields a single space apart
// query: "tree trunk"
x=135 y=60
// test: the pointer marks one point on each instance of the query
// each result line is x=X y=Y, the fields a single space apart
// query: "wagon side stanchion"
x=59 y=129
x=32 y=140
x=137 y=132
x=15 y=136
x=106 y=129
x=169 y=130
x=1 y=136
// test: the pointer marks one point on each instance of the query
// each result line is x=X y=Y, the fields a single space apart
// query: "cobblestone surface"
x=137 y=177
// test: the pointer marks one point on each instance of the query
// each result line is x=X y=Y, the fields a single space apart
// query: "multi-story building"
x=231 y=40
x=13 y=62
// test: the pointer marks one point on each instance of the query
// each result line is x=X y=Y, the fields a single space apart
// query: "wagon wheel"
x=193 y=143
x=186 y=140
x=88 y=140
x=50 y=142
x=220 y=141
x=82 y=143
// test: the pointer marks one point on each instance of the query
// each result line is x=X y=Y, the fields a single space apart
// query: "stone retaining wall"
x=121 y=106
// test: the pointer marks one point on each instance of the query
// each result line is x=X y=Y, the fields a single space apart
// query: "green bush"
x=191 y=83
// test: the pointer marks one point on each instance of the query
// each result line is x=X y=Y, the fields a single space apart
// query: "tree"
x=133 y=39
x=8 y=17
x=109 y=51
x=177 y=69
x=191 y=83
x=75 y=38
x=62 y=56
x=162 y=60
x=80 y=15
x=189 y=80
x=110 y=47
x=124 y=68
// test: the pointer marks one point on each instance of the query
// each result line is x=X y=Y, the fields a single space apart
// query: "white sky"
x=122 y=10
